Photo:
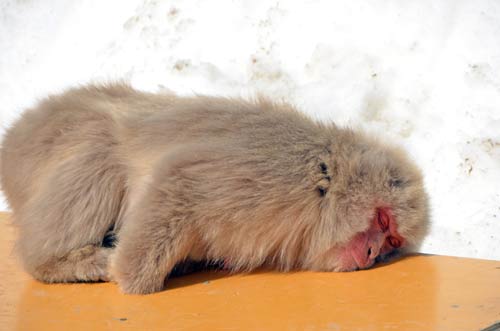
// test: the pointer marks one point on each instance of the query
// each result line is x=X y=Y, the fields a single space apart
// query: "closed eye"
x=397 y=182
x=394 y=242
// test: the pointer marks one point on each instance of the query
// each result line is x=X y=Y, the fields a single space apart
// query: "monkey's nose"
x=373 y=252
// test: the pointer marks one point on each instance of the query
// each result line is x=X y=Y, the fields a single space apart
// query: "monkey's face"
x=375 y=205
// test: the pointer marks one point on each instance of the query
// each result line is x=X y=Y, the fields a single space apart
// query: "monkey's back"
x=113 y=136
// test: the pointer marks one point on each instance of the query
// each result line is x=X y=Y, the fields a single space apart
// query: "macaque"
x=246 y=184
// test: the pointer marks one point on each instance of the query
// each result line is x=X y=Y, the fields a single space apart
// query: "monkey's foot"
x=138 y=284
x=86 y=264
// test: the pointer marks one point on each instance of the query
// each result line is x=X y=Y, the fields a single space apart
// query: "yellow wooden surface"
x=415 y=293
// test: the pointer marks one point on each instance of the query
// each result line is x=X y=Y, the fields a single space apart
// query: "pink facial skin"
x=381 y=238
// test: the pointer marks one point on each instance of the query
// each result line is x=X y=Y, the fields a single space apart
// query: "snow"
x=425 y=74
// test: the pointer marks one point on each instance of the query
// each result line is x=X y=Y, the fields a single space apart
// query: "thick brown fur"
x=249 y=183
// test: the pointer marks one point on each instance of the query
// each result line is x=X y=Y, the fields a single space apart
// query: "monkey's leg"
x=146 y=254
x=89 y=263
x=161 y=230
x=63 y=223
x=151 y=242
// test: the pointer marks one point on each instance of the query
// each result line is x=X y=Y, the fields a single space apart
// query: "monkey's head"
x=373 y=203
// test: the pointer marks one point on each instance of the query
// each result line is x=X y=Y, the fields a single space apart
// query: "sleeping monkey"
x=243 y=183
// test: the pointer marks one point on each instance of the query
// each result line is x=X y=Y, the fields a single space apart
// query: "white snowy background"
x=425 y=74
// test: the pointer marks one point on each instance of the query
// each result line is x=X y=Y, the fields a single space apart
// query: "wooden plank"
x=416 y=293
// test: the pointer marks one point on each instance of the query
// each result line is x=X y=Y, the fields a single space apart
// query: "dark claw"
x=323 y=167
x=109 y=240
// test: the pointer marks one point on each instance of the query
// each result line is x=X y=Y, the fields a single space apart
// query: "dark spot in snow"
x=181 y=65
x=173 y=11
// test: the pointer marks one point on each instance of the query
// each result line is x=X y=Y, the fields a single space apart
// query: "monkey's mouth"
x=380 y=259
x=362 y=263
x=387 y=257
x=353 y=265
x=350 y=261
